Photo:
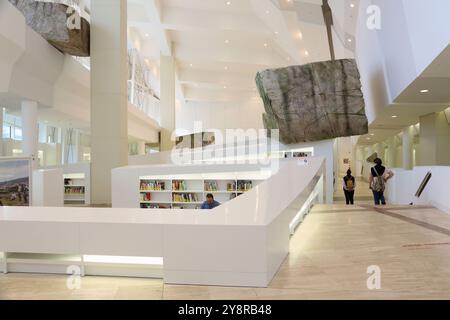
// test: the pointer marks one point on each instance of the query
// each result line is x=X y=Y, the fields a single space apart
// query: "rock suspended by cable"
x=312 y=102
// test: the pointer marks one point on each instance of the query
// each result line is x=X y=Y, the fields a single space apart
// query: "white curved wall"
x=413 y=33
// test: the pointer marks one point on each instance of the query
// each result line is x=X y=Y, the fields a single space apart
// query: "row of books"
x=153 y=185
x=155 y=206
x=185 y=197
x=211 y=186
x=179 y=185
x=74 y=190
x=146 y=196
x=244 y=185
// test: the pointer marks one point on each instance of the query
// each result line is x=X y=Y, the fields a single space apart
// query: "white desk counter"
x=241 y=243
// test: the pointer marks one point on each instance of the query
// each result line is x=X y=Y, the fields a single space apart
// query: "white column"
x=141 y=148
x=168 y=100
x=109 y=105
x=408 y=137
x=379 y=149
x=30 y=131
x=369 y=152
x=391 y=154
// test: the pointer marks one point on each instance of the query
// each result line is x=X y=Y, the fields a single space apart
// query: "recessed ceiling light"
x=424 y=91
x=372 y=134
x=266 y=45
x=276 y=32
x=349 y=40
x=300 y=35
x=368 y=138
x=224 y=87
x=352 y=5
x=227 y=41
x=228 y=3
x=226 y=68
x=394 y=117
x=267 y=11
x=191 y=65
x=306 y=53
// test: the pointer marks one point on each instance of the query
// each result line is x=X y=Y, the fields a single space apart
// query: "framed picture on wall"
x=15 y=182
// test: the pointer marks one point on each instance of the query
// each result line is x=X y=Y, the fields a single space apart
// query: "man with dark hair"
x=210 y=203
x=379 y=175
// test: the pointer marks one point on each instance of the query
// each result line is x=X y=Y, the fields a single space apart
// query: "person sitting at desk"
x=210 y=203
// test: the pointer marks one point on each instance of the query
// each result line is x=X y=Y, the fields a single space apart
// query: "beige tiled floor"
x=330 y=253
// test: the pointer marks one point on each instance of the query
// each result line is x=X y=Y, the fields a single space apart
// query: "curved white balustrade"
x=241 y=243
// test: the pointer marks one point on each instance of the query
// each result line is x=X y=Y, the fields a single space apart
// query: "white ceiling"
x=220 y=45
x=411 y=104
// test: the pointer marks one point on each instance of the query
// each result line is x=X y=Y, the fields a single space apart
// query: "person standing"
x=379 y=175
x=349 y=188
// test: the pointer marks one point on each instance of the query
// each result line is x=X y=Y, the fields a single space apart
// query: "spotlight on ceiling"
x=394 y=117
x=424 y=91
x=228 y=3
x=352 y=5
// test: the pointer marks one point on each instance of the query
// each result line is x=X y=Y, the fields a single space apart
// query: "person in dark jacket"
x=349 y=188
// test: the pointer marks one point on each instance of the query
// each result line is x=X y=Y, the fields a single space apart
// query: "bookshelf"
x=190 y=193
x=74 y=189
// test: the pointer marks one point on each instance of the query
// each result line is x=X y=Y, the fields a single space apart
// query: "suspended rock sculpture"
x=59 y=24
x=317 y=101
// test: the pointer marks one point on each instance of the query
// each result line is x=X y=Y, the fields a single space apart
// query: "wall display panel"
x=15 y=182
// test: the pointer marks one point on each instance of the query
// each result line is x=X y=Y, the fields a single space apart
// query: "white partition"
x=401 y=189
x=46 y=191
x=241 y=243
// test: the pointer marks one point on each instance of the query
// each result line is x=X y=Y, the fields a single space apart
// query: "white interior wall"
x=221 y=115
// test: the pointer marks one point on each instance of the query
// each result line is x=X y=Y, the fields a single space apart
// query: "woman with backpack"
x=349 y=187
x=379 y=175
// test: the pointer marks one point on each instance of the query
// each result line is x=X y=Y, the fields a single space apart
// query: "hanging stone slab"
x=313 y=102
x=50 y=21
